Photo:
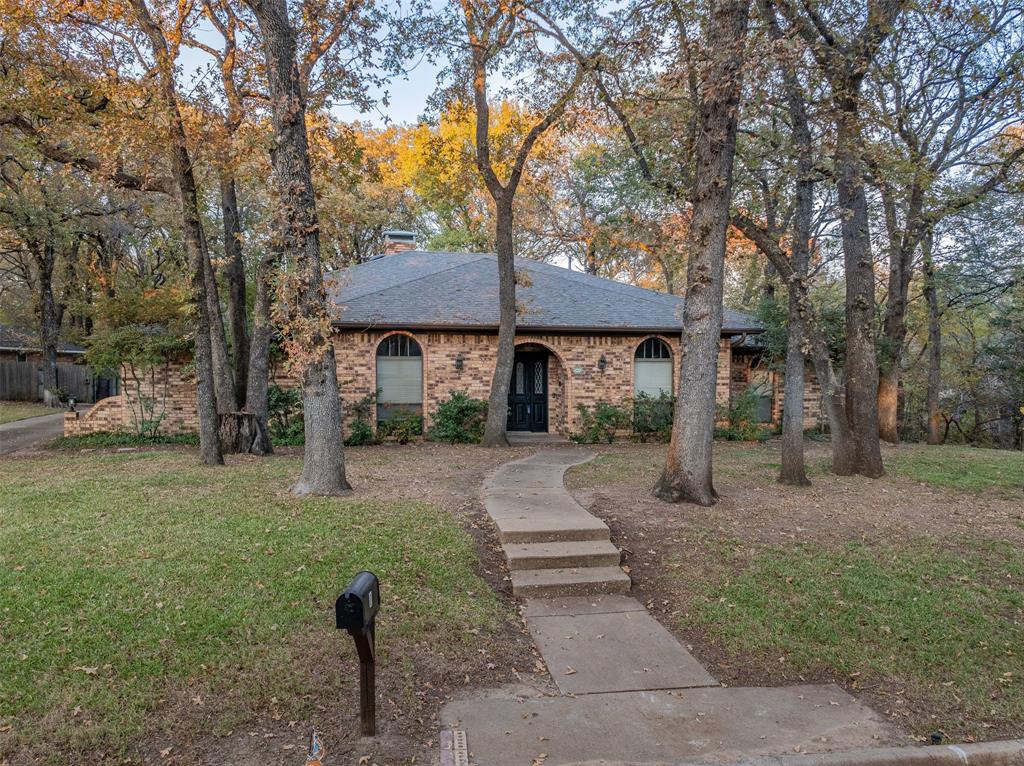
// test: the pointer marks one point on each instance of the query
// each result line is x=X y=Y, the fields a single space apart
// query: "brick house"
x=417 y=326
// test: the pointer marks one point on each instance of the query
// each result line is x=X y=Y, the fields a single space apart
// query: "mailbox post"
x=355 y=611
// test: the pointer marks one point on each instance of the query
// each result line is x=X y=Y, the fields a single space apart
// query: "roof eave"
x=591 y=330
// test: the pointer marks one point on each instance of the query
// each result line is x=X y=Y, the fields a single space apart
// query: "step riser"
x=564 y=562
x=555 y=535
x=558 y=590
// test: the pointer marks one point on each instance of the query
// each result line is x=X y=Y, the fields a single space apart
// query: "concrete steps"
x=562 y=555
x=554 y=547
x=554 y=583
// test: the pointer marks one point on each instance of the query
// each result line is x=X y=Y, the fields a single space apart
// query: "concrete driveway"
x=22 y=434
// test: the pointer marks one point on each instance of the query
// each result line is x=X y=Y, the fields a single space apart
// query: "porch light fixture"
x=602 y=363
x=459 y=362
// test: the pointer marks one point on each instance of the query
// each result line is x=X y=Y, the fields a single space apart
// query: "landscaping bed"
x=152 y=609
x=908 y=591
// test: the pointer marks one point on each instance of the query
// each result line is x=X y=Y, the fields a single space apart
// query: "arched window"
x=652 y=368
x=399 y=376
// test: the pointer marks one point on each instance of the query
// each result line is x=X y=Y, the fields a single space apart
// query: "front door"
x=528 y=393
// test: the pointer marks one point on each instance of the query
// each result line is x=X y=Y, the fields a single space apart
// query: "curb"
x=999 y=753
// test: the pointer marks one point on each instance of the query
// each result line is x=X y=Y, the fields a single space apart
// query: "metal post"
x=365 y=646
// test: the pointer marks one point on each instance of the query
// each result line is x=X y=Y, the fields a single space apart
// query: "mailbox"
x=357 y=606
x=356 y=611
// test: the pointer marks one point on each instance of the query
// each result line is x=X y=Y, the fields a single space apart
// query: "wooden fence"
x=22 y=381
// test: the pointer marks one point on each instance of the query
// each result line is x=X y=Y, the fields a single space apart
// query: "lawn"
x=12 y=411
x=908 y=591
x=149 y=603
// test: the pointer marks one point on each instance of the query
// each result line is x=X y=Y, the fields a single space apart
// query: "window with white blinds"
x=399 y=376
x=652 y=368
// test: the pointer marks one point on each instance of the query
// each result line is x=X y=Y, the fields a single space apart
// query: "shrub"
x=459 y=419
x=284 y=416
x=600 y=423
x=741 y=420
x=652 y=416
x=361 y=432
x=402 y=427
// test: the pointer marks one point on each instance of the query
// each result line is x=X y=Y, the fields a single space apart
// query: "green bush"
x=600 y=423
x=459 y=419
x=652 y=416
x=284 y=416
x=741 y=420
x=361 y=432
x=402 y=427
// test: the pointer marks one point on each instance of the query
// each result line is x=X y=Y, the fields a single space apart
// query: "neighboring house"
x=418 y=326
x=22 y=346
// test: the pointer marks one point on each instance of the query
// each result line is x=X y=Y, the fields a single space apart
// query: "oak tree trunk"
x=259 y=347
x=224 y=387
x=935 y=430
x=861 y=370
x=687 y=476
x=235 y=273
x=193 y=235
x=323 y=467
x=497 y=404
x=51 y=315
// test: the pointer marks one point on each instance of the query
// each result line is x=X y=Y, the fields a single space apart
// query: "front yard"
x=12 y=411
x=908 y=591
x=154 y=609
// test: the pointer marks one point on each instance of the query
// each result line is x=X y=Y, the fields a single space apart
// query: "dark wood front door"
x=528 y=393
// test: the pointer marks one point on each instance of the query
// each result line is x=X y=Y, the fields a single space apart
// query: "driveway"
x=22 y=434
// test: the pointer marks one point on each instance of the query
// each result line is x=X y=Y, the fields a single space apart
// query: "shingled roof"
x=437 y=290
x=13 y=339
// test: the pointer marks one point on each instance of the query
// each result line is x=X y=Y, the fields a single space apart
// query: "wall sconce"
x=602 y=363
x=459 y=362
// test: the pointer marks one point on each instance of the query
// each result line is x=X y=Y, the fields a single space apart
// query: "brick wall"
x=574 y=376
x=168 y=393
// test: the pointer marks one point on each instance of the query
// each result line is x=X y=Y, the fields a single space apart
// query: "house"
x=22 y=346
x=417 y=326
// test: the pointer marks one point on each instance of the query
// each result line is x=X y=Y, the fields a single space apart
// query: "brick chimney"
x=398 y=241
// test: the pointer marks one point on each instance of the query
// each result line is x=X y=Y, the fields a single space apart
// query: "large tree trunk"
x=323 y=467
x=935 y=435
x=51 y=314
x=259 y=348
x=497 y=405
x=235 y=272
x=687 y=475
x=193 y=236
x=792 y=470
x=861 y=370
x=223 y=384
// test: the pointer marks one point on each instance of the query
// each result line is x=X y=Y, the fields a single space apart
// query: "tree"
x=941 y=108
x=192 y=227
x=311 y=344
x=492 y=31
x=687 y=475
x=844 y=60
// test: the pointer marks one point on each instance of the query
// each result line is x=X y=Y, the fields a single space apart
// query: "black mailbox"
x=355 y=611
x=357 y=606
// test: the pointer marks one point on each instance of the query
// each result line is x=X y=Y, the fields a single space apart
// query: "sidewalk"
x=628 y=691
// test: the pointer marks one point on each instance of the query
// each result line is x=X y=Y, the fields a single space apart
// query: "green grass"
x=973 y=469
x=126 y=576
x=12 y=411
x=935 y=624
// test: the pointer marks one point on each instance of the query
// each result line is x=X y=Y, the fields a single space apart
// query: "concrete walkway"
x=628 y=691
x=22 y=434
